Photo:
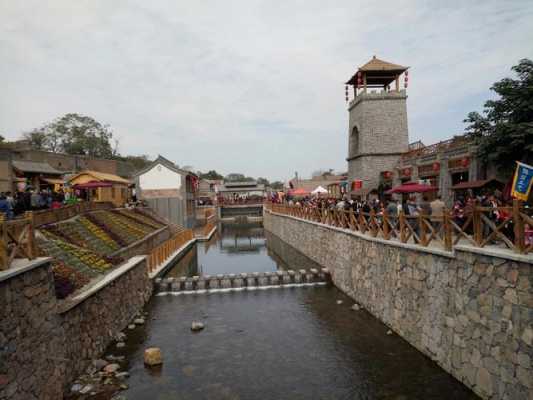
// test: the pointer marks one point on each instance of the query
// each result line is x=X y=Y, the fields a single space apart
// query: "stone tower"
x=377 y=124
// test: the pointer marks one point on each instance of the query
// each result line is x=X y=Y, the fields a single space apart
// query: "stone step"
x=243 y=280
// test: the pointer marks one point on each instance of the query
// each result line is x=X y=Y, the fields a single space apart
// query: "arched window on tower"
x=354 y=142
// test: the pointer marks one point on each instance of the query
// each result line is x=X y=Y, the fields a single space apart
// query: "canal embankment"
x=47 y=342
x=470 y=312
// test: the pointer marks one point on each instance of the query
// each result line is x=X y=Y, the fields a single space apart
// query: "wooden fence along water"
x=17 y=239
x=207 y=228
x=161 y=253
x=504 y=227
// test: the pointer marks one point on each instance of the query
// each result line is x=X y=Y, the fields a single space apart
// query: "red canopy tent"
x=298 y=192
x=93 y=185
x=412 y=187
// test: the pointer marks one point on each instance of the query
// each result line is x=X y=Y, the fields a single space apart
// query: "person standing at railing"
x=4 y=206
x=437 y=212
x=413 y=211
x=458 y=211
x=528 y=235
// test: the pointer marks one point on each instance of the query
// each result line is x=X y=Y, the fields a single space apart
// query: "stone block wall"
x=45 y=343
x=92 y=322
x=31 y=341
x=378 y=134
x=469 y=312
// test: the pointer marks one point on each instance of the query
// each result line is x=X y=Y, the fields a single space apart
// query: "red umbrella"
x=412 y=187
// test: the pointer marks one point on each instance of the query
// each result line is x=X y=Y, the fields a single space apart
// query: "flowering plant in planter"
x=140 y=218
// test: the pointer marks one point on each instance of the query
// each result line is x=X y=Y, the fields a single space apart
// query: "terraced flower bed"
x=82 y=247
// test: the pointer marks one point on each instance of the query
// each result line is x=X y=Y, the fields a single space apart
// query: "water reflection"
x=236 y=248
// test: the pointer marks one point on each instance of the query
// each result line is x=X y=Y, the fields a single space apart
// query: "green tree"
x=138 y=162
x=277 y=185
x=235 y=177
x=212 y=174
x=504 y=133
x=74 y=134
x=263 y=181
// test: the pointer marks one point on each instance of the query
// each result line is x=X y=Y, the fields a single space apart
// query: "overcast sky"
x=248 y=86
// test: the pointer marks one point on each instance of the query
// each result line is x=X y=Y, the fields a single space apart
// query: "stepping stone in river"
x=197 y=326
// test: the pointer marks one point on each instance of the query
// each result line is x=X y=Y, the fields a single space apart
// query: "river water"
x=295 y=343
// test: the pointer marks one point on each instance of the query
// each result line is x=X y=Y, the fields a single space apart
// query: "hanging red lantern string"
x=346 y=92
x=465 y=162
x=436 y=166
x=406 y=79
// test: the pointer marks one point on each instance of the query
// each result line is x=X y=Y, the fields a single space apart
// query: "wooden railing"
x=480 y=226
x=17 y=239
x=44 y=217
x=207 y=228
x=161 y=253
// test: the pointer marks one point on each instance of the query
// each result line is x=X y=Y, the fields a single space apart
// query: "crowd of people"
x=495 y=208
x=12 y=205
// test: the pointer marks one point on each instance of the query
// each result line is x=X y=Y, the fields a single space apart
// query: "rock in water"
x=139 y=321
x=131 y=326
x=111 y=368
x=99 y=364
x=339 y=301
x=389 y=332
x=86 y=389
x=356 y=307
x=197 y=326
x=152 y=356
x=120 y=345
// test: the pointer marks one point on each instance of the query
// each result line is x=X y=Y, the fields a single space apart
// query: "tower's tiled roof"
x=375 y=64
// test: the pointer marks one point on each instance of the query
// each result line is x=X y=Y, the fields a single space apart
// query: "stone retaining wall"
x=92 y=320
x=31 y=340
x=45 y=343
x=469 y=312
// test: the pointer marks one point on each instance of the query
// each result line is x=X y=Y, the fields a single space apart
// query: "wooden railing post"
x=401 y=218
x=477 y=225
x=422 y=229
x=519 y=230
x=4 y=256
x=386 y=230
x=447 y=229
x=31 y=235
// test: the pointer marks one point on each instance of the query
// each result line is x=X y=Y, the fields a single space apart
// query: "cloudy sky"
x=248 y=86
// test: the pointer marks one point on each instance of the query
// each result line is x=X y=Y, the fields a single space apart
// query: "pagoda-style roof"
x=378 y=72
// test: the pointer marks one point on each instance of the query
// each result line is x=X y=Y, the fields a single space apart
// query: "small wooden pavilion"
x=99 y=186
x=378 y=74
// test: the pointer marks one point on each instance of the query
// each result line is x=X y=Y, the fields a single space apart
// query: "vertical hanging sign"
x=523 y=178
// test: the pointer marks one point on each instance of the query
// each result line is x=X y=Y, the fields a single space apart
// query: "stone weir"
x=243 y=281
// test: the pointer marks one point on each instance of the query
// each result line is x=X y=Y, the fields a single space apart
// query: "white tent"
x=319 y=190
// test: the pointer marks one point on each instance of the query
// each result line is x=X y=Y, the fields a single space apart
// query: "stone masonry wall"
x=471 y=313
x=31 y=341
x=381 y=122
x=46 y=343
x=93 y=323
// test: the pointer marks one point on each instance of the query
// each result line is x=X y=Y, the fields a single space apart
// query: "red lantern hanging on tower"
x=464 y=162
x=346 y=92
x=406 y=79
x=436 y=166
x=359 y=79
